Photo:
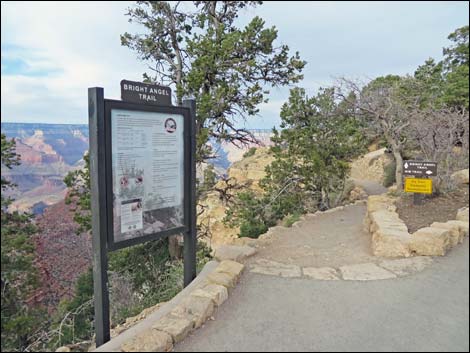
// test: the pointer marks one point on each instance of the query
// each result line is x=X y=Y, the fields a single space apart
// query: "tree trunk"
x=325 y=200
x=399 y=168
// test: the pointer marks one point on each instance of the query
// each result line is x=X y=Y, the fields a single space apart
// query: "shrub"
x=250 y=152
x=289 y=220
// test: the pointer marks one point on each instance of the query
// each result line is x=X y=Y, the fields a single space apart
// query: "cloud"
x=70 y=47
x=53 y=51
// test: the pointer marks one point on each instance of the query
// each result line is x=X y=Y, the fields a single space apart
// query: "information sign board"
x=146 y=187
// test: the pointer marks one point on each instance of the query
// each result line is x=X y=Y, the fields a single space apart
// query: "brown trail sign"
x=420 y=168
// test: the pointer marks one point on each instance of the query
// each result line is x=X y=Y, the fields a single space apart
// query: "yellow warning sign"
x=418 y=185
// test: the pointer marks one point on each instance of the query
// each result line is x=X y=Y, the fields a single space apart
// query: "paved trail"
x=427 y=311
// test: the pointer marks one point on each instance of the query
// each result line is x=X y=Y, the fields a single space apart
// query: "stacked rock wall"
x=390 y=236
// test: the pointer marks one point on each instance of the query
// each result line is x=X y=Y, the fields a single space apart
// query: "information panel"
x=147 y=172
x=418 y=185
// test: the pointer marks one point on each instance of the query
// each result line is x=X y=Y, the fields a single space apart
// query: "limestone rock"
x=248 y=172
x=390 y=237
x=131 y=321
x=461 y=177
x=357 y=193
x=321 y=273
x=233 y=252
x=218 y=294
x=177 y=327
x=431 y=241
x=365 y=272
x=230 y=267
x=456 y=235
x=272 y=268
x=222 y=279
x=150 y=340
x=197 y=309
x=403 y=267
x=462 y=214
x=245 y=241
x=379 y=202
x=371 y=166
x=463 y=226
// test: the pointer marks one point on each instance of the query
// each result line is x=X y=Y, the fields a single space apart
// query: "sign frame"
x=100 y=157
x=123 y=105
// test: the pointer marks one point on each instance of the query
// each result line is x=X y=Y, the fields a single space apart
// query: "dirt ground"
x=328 y=240
x=440 y=208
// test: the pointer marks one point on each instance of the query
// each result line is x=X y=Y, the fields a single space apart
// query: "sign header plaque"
x=420 y=168
x=144 y=93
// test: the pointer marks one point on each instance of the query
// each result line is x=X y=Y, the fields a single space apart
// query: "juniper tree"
x=205 y=54
x=19 y=278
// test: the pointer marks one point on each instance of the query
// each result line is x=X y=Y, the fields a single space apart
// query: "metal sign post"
x=98 y=206
x=190 y=237
x=143 y=179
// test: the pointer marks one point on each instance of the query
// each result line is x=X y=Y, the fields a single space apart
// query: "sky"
x=51 y=52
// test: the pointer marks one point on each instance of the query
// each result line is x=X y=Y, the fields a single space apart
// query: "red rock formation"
x=61 y=255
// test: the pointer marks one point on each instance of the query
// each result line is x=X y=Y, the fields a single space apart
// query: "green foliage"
x=446 y=83
x=208 y=182
x=251 y=214
x=74 y=318
x=312 y=155
x=18 y=276
x=78 y=184
x=250 y=152
x=290 y=219
x=312 y=151
x=226 y=68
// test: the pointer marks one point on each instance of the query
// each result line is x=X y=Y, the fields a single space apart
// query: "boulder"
x=357 y=193
x=222 y=279
x=380 y=202
x=218 y=294
x=456 y=235
x=63 y=349
x=462 y=214
x=177 y=327
x=431 y=241
x=460 y=177
x=463 y=226
x=233 y=252
x=150 y=340
x=371 y=166
x=390 y=237
x=196 y=309
x=231 y=268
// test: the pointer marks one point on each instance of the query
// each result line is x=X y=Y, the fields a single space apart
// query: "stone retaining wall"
x=188 y=311
x=390 y=236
